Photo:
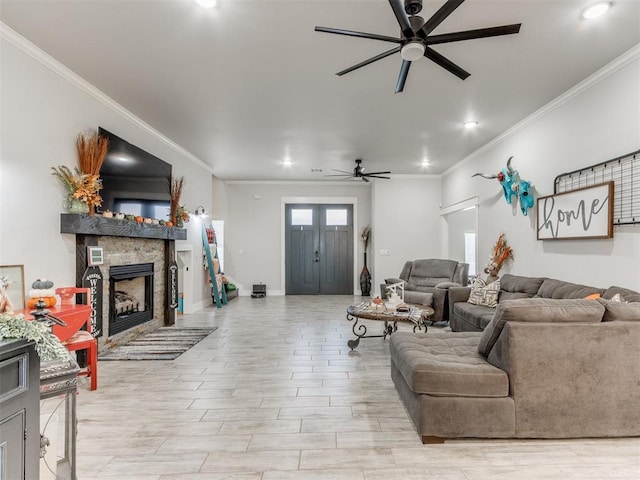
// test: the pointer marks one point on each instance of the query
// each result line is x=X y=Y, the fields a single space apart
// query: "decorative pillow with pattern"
x=483 y=294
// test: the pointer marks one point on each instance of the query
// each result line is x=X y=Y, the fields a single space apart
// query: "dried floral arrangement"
x=92 y=148
x=501 y=253
x=79 y=185
x=83 y=183
x=177 y=210
x=365 y=235
x=47 y=344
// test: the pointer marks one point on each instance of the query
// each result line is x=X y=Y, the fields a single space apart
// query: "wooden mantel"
x=82 y=224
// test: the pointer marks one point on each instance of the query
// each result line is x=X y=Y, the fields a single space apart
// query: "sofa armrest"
x=392 y=280
x=572 y=379
x=457 y=294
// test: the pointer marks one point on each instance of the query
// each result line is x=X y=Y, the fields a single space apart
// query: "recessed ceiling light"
x=596 y=10
x=207 y=3
x=287 y=162
x=470 y=124
x=425 y=163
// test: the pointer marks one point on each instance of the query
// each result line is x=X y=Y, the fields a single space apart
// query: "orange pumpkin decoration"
x=48 y=302
x=169 y=224
x=139 y=219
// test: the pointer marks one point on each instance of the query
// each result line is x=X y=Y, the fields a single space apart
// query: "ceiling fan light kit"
x=415 y=38
x=412 y=51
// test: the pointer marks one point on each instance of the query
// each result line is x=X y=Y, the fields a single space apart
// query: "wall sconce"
x=200 y=212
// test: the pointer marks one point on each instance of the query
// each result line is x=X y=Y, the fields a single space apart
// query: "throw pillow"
x=483 y=294
x=593 y=296
x=617 y=298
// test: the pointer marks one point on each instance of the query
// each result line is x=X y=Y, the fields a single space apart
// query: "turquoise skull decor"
x=513 y=186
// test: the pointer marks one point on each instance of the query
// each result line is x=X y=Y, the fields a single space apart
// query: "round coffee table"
x=417 y=314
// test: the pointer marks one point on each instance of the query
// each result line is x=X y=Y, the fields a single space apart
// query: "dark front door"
x=319 y=249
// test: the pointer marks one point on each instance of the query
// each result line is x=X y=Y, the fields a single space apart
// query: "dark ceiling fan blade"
x=367 y=62
x=364 y=179
x=446 y=63
x=404 y=71
x=351 y=33
x=473 y=34
x=378 y=176
x=401 y=16
x=376 y=173
x=439 y=17
x=341 y=171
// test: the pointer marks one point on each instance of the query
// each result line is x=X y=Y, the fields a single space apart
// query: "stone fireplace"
x=137 y=260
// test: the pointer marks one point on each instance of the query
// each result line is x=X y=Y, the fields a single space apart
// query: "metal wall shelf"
x=624 y=171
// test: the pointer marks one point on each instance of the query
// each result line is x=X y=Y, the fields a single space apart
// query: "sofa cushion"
x=483 y=294
x=446 y=364
x=557 y=289
x=626 y=294
x=620 y=310
x=477 y=317
x=538 y=310
x=525 y=287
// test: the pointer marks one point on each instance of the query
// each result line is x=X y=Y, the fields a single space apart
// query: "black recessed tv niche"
x=134 y=181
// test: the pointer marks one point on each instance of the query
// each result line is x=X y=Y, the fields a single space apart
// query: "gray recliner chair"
x=427 y=282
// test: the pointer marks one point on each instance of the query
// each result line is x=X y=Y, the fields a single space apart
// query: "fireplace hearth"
x=130 y=296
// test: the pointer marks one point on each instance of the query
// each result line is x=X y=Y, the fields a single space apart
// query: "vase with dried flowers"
x=177 y=184
x=81 y=189
x=92 y=148
x=182 y=216
x=365 y=276
x=501 y=253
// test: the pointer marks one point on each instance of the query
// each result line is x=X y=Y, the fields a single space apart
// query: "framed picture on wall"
x=578 y=214
x=11 y=287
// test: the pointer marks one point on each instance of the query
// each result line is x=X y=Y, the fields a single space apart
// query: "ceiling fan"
x=358 y=172
x=415 y=39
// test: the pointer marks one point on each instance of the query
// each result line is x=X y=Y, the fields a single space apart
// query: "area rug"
x=166 y=343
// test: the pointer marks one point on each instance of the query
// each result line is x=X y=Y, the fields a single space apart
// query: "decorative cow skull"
x=512 y=186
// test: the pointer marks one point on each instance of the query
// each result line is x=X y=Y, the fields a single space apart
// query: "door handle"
x=317 y=256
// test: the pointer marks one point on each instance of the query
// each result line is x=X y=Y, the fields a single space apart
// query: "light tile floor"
x=275 y=393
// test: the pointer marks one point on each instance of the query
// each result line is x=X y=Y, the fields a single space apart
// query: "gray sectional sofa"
x=542 y=368
x=466 y=317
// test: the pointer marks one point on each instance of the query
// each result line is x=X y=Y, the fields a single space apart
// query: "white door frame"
x=321 y=201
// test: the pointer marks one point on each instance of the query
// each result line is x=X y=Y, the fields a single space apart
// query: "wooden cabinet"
x=19 y=410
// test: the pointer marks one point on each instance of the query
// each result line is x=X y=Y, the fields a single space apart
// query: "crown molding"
x=612 y=67
x=42 y=57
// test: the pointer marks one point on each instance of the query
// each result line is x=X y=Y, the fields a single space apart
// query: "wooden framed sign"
x=583 y=213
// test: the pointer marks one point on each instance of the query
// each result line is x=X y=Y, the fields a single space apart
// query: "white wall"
x=593 y=122
x=406 y=222
x=254 y=227
x=44 y=107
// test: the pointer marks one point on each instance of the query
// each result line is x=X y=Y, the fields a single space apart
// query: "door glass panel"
x=337 y=217
x=301 y=216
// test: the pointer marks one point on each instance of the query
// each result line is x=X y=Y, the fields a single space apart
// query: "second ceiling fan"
x=415 y=39
x=358 y=172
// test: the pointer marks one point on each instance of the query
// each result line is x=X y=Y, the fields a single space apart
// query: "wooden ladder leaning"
x=219 y=295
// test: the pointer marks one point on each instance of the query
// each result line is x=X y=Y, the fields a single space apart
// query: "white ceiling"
x=247 y=83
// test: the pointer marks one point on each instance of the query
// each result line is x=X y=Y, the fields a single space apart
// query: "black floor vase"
x=365 y=279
